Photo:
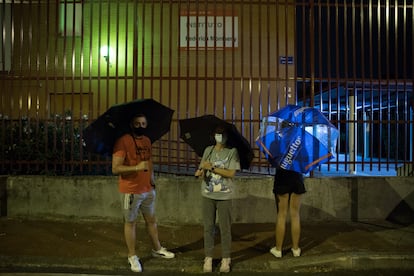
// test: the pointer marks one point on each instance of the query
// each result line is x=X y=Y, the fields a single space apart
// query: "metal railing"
x=63 y=63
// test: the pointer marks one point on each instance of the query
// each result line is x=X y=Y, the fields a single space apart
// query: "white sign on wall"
x=208 y=30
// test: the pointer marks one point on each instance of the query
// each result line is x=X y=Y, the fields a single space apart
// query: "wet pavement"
x=97 y=247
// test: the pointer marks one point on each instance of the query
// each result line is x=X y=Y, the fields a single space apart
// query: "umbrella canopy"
x=197 y=132
x=297 y=138
x=101 y=135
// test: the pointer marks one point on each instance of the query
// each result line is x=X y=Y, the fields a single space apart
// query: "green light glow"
x=107 y=53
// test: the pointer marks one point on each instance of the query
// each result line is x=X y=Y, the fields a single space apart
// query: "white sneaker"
x=135 y=264
x=275 y=252
x=225 y=265
x=296 y=252
x=208 y=264
x=163 y=253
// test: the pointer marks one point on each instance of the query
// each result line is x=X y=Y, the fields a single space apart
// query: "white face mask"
x=220 y=138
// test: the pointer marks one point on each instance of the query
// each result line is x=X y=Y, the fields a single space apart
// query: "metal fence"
x=63 y=63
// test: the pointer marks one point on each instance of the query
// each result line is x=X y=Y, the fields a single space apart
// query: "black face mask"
x=139 y=131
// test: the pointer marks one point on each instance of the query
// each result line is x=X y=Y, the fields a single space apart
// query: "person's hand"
x=199 y=172
x=142 y=166
x=206 y=166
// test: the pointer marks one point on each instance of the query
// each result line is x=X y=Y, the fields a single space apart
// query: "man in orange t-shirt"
x=131 y=160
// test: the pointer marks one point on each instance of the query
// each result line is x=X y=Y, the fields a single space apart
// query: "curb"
x=305 y=264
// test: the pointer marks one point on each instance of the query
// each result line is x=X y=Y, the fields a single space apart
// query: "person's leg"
x=130 y=206
x=152 y=229
x=148 y=212
x=282 y=209
x=295 y=202
x=209 y=222
x=224 y=218
x=130 y=237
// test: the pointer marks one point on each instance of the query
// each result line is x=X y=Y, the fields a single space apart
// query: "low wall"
x=178 y=198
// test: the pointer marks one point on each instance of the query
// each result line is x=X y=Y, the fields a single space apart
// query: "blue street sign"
x=282 y=59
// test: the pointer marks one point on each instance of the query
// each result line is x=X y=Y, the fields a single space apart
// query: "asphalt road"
x=379 y=272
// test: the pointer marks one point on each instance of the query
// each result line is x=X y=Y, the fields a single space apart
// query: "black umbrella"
x=101 y=134
x=197 y=133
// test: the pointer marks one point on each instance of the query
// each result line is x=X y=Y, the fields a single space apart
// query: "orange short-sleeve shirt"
x=139 y=182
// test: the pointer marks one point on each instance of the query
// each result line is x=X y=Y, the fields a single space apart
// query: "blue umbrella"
x=297 y=138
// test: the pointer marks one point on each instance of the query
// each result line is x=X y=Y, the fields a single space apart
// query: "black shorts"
x=287 y=182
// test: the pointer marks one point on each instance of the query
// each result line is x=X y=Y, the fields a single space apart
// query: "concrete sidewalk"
x=98 y=247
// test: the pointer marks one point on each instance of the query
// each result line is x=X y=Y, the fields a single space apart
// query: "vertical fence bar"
x=387 y=77
x=233 y=71
x=242 y=62
x=135 y=51
x=28 y=83
x=223 y=14
x=91 y=109
x=20 y=74
x=251 y=78
x=412 y=97
x=312 y=51
x=143 y=48
x=334 y=120
x=47 y=113
x=364 y=91
x=186 y=113
x=404 y=98
x=409 y=112
x=70 y=119
x=170 y=91
x=206 y=64
x=319 y=53
x=380 y=91
x=117 y=46
x=214 y=63
x=127 y=75
x=259 y=78
x=3 y=116
x=286 y=65
x=395 y=90
x=178 y=69
x=277 y=46
x=63 y=89
x=304 y=45
x=379 y=79
x=161 y=85
x=82 y=113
